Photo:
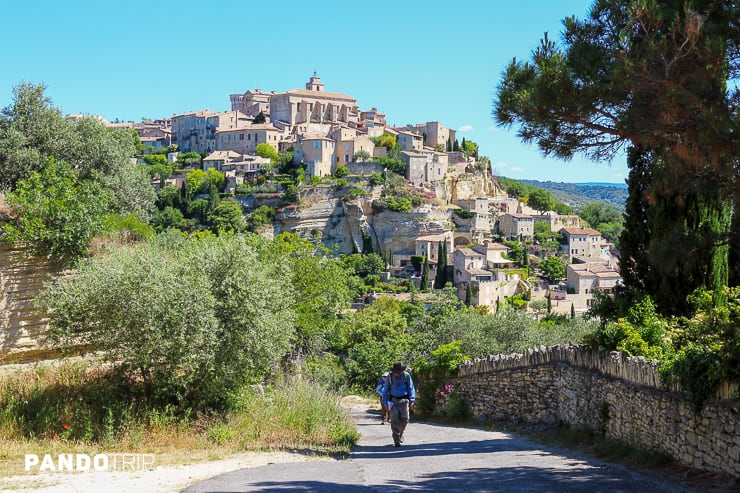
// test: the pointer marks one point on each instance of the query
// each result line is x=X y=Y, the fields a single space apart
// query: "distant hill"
x=579 y=195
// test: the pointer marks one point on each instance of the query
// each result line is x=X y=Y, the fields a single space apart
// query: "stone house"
x=246 y=139
x=245 y=166
x=582 y=242
x=489 y=282
x=425 y=167
x=514 y=225
x=196 y=131
x=428 y=246
x=348 y=142
x=589 y=277
x=409 y=141
x=317 y=152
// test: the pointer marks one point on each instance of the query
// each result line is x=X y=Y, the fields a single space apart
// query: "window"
x=346 y=147
x=249 y=136
x=316 y=144
x=241 y=136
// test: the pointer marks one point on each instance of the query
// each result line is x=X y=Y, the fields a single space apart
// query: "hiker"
x=399 y=395
x=384 y=413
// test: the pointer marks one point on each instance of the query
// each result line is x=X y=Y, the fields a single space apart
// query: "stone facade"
x=617 y=395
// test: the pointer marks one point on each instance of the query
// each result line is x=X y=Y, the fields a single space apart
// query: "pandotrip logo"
x=118 y=462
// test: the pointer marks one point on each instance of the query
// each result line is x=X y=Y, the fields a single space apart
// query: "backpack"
x=390 y=379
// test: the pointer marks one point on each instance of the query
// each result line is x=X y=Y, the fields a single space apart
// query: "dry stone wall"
x=21 y=324
x=617 y=395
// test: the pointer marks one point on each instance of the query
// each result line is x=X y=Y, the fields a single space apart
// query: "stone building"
x=582 y=242
x=589 y=277
x=245 y=139
x=196 y=131
x=514 y=225
x=317 y=151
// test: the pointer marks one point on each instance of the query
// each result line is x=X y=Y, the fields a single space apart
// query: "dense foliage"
x=62 y=175
x=192 y=320
x=697 y=353
x=652 y=76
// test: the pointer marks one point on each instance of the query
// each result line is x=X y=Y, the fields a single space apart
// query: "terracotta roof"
x=494 y=246
x=581 y=231
x=222 y=155
x=469 y=252
x=319 y=94
x=435 y=237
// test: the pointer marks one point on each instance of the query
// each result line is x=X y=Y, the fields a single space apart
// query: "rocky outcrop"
x=343 y=226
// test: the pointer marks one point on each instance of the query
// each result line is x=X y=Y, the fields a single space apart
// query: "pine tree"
x=618 y=79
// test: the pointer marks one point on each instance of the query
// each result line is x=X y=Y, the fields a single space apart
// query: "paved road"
x=438 y=458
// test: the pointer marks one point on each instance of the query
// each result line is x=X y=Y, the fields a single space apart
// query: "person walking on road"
x=385 y=415
x=399 y=395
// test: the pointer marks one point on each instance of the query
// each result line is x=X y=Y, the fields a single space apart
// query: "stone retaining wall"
x=615 y=394
x=21 y=324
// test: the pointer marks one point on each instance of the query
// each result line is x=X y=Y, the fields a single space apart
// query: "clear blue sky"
x=415 y=61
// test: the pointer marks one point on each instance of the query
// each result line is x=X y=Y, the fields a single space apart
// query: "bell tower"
x=314 y=83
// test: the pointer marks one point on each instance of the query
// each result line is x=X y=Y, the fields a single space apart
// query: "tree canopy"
x=651 y=75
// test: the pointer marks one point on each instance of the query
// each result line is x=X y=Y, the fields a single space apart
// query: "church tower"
x=314 y=83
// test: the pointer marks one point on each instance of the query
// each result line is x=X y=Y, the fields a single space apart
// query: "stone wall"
x=21 y=324
x=615 y=394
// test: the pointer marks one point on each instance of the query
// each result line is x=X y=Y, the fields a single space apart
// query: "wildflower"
x=56 y=437
x=65 y=426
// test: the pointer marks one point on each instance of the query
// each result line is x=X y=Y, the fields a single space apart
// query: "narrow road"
x=438 y=458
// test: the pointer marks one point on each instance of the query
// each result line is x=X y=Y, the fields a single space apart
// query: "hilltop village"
x=447 y=208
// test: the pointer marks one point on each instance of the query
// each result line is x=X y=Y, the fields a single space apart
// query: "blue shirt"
x=381 y=384
x=402 y=386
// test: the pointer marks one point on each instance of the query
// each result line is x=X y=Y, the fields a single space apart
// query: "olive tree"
x=191 y=320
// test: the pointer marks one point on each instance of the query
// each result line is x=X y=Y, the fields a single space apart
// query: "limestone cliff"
x=343 y=226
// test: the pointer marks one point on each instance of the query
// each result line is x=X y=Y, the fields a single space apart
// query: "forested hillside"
x=579 y=195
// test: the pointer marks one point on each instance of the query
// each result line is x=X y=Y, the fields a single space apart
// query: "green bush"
x=187 y=321
x=464 y=213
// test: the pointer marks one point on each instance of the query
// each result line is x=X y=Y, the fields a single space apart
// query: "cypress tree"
x=456 y=146
x=469 y=296
x=572 y=311
x=549 y=303
x=441 y=279
x=424 y=283
x=633 y=242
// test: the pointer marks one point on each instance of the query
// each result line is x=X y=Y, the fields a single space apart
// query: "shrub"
x=188 y=321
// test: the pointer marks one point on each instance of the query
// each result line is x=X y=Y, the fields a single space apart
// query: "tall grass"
x=81 y=408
